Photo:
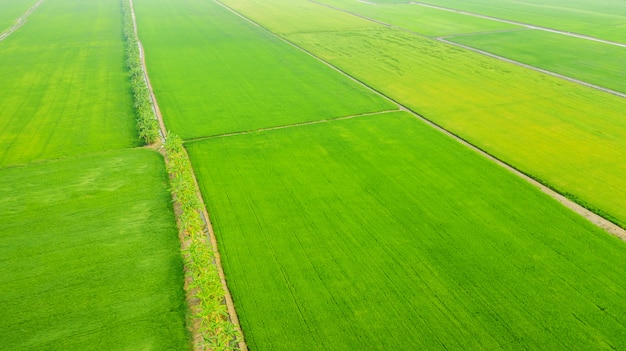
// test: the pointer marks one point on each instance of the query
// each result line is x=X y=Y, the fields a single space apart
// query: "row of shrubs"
x=147 y=124
x=209 y=310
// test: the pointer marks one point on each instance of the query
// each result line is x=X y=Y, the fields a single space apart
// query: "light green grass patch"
x=419 y=19
x=593 y=62
x=89 y=256
x=65 y=88
x=380 y=233
x=214 y=72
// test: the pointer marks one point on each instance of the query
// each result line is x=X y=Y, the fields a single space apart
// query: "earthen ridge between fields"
x=205 y=216
x=591 y=216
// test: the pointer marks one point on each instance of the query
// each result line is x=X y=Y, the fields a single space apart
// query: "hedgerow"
x=205 y=287
x=147 y=123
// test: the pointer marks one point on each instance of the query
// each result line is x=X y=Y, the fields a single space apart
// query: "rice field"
x=592 y=62
x=89 y=256
x=64 y=88
x=355 y=235
x=215 y=73
x=344 y=221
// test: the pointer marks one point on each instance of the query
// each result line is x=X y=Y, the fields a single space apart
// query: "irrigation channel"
x=20 y=21
x=594 y=218
x=232 y=313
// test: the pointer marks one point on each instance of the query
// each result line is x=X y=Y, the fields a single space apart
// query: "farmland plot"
x=65 y=88
x=604 y=19
x=215 y=73
x=380 y=233
x=89 y=256
x=419 y=19
x=597 y=63
x=571 y=137
x=10 y=10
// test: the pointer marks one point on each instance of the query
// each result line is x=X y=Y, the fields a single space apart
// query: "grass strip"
x=147 y=123
x=210 y=317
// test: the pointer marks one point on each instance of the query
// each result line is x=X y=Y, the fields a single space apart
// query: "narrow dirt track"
x=20 y=21
x=592 y=217
x=205 y=215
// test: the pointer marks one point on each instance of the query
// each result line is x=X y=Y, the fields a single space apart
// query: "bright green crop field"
x=593 y=62
x=419 y=19
x=569 y=136
x=380 y=233
x=605 y=19
x=89 y=256
x=10 y=10
x=65 y=88
x=215 y=73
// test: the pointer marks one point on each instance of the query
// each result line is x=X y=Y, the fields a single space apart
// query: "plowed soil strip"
x=19 y=22
x=594 y=218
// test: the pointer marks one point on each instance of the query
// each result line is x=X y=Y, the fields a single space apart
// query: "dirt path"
x=205 y=215
x=526 y=25
x=594 y=218
x=19 y=22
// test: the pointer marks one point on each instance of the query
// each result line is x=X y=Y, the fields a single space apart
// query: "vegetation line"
x=535 y=68
x=213 y=321
x=289 y=125
x=150 y=130
x=530 y=26
x=19 y=22
x=587 y=213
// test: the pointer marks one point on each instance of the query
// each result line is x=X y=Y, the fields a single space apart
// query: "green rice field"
x=604 y=19
x=381 y=233
x=423 y=20
x=569 y=136
x=11 y=10
x=215 y=73
x=344 y=220
x=589 y=61
x=64 y=86
x=89 y=256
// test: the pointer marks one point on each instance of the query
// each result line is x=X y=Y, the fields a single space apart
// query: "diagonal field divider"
x=20 y=21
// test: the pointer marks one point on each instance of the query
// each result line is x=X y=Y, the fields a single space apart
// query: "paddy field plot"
x=10 y=10
x=380 y=233
x=89 y=256
x=569 y=136
x=420 y=19
x=597 y=63
x=65 y=88
x=604 y=19
x=214 y=72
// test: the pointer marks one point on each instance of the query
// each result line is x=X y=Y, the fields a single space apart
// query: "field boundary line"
x=534 y=68
x=527 y=25
x=591 y=216
x=20 y=21
x=285 y=126
x=232 y=313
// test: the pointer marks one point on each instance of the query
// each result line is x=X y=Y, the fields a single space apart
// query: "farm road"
x=19 y=22
x=594 y=218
